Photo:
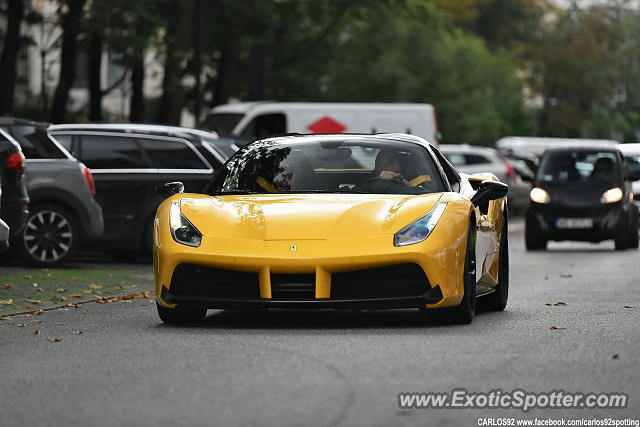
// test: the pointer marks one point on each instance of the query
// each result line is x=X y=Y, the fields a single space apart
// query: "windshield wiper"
x=329 y=191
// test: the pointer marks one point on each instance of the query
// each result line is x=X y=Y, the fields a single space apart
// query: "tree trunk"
x=136 y=110
x=70 y=23
x=225 y=69
x=8 y=60
x=177 y=41
x=95 y=76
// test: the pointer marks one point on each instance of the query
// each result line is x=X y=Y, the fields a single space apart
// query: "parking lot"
x=571 y=324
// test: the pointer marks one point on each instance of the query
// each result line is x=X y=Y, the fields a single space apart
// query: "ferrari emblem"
x=293 y=248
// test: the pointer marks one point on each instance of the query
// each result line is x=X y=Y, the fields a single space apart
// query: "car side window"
x=452 y=175
x=64 y=140
x=111 y=152
x=265 y=125
x=166 y=154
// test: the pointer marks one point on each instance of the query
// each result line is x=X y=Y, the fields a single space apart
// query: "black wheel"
x=181 y=314
x=622 y=238
x=497 y=300
x=465 y=312
x=49 y=237
x=532 y=241
x=633 y=232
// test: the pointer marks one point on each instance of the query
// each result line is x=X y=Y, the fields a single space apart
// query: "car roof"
x=12 y=121
x=629 y=149
x=134 y=127
x=351 y=136
x=455 y=148
x=538 y=145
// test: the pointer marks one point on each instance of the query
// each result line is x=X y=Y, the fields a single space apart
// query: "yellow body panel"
x=317 y=233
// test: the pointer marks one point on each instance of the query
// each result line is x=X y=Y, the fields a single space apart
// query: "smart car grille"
x=196 y=281
x=402 y=280
x=293 y=286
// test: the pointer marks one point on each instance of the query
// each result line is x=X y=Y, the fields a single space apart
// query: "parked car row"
x=92 y=185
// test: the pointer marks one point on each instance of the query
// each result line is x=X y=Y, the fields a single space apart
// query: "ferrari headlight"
x=611 y=196
x=181 y=228
x=538 y=195
x=419 y=229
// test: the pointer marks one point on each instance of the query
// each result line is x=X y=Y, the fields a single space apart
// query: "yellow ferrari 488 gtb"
x=334 y=221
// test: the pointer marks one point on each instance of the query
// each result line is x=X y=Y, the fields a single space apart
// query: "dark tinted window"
x=222 y=123
x=64 y=140
x=35 y=142
x=265 y=125
x=475 y=159
x=592 y=167
x=111 y=152
x=165 y=154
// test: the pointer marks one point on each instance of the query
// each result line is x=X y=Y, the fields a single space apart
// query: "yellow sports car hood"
x=304 y=216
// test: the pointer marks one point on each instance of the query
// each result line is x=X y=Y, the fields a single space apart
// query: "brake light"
x=15 y=162
x=89 y=177
x=510 y=174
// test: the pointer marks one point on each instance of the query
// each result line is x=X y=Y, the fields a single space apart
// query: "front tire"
x=49 y=237
x=465 y=312
x=633 y=235
x=497 y=300
x=533 y=242
x=622 y=238
x=181 y=314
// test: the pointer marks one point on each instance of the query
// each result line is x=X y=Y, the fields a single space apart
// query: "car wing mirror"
x=169 y=189
x=489 y=190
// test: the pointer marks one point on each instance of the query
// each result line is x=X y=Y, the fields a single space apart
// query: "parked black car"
x=14 y=208
x=582 y=193
x=128 y=161
x=63 y=213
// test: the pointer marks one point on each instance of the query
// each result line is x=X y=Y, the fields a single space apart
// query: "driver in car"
x=387 y=177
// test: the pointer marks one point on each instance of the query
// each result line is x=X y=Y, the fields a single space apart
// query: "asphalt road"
x=333 y=368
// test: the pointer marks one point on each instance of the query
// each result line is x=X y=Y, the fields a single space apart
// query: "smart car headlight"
x=419 y=229
x=611 y=196
x=182 y=230
x=538 y=195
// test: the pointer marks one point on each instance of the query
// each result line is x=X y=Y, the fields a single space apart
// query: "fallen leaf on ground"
x=37 y=321
x=6 y=301
x=566 y=275
x=556 y=303
x=38 y=312
x=61 y=290
x=27 y=306
x=36 y=332
x=60 y=323
x=630 y=306
x=559 y=328
x=77 y=295
x=39 y=290
x=615 y=356
x=74 y=278
x=54 y=339
x=34 y=301
x=7 y=286
x=95 y=286
x=27 y=276
x=20 y=325
x=77 y=332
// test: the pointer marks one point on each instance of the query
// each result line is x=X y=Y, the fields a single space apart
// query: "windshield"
x=222 y=123
x=592 y=167
x=359 y=165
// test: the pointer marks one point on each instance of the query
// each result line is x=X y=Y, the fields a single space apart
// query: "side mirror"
x=169 y=189
x=489 y=190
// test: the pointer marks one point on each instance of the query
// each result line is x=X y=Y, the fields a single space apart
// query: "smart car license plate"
x=574 y=223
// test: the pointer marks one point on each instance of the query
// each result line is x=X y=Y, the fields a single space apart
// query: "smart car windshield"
x=357 y=165
x=592 y=167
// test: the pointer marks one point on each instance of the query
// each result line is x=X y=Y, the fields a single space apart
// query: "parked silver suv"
x=63 y=213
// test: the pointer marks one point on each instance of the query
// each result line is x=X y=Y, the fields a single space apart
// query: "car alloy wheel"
x=48 y=236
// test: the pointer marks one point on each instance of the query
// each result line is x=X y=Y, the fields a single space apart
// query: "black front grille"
x=293 y=286
x=196 y=281
x=396 y=281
